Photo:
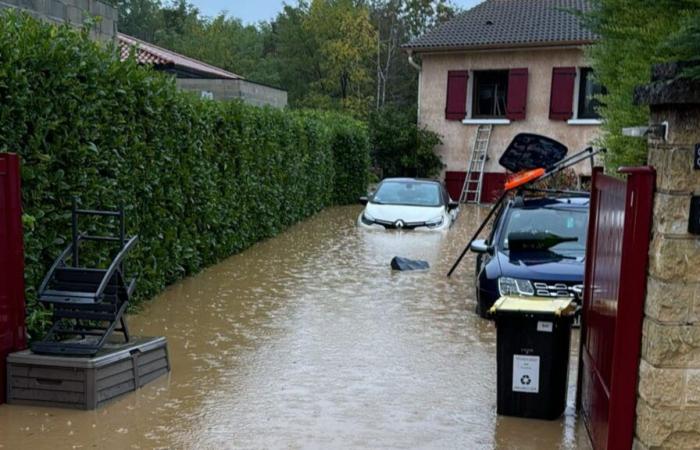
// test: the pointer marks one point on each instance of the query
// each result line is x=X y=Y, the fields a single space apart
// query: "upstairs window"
x=490 y=93
x=589 y=90
x=483 y=95
x=574 y=95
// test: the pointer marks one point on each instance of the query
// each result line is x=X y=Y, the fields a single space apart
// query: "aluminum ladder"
x=471 y=191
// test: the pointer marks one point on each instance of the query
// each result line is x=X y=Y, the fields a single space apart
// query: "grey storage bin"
x=85 y=383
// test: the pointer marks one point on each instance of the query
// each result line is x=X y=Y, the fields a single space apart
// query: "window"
x=490 y=93
x=487 y=96
x=573 y=96
x=561 y=221
x=408 y=193
x=589 y=89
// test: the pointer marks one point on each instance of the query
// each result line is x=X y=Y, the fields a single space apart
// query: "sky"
x=251 y=11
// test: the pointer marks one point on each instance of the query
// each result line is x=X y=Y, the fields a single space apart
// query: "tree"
x=397 y=22
x=632 y=37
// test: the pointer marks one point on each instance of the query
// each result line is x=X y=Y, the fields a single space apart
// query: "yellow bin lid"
x=558 y=306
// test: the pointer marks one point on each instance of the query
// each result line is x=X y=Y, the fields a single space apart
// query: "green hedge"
x=200 y=180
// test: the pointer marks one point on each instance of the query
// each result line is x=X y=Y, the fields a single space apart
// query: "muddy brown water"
x=308 y=340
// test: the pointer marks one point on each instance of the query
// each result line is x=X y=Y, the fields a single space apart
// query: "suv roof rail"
x=559 y=191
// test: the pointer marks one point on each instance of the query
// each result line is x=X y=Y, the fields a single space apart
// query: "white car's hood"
x=408 y=214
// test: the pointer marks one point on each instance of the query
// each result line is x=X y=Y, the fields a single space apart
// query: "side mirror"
x=480 y=246
x=364 y=200
x=452 y=205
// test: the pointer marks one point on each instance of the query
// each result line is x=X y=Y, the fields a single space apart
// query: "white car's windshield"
x=562 y=222
x=413 y=193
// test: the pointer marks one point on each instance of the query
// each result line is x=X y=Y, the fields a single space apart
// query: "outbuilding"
x=208 y=81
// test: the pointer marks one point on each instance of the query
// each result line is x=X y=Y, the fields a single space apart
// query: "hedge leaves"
x=199 y=180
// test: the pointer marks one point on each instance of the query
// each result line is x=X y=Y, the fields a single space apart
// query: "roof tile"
x=504 y=23
x=153 y=55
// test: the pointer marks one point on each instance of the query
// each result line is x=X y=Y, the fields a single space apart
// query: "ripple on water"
x=310 y=340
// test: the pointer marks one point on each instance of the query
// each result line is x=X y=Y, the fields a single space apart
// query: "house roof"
x=153 y=55
x=510 y=23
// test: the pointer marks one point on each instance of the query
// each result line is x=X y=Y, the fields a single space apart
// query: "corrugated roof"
x=152 y=54
x=510 y=23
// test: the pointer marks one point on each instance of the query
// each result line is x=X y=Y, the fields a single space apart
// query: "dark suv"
x=536 y=248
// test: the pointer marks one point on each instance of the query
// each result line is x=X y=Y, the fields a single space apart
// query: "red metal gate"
x=12 y=328
x=615 y=284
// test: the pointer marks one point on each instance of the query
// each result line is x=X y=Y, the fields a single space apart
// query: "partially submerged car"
x=408 y=204
x=536 y=247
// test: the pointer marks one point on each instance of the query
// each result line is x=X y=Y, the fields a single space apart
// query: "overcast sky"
x=256 y=10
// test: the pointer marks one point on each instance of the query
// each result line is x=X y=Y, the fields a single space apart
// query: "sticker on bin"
x=526 y=374
x=545 y=326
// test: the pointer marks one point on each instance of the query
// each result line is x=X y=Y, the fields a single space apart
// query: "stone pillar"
x=668 y=403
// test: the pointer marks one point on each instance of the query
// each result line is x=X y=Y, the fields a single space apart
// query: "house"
x=510 y=65
x=191 y=75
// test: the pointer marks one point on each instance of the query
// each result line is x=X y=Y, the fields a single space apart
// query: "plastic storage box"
x=85 y=382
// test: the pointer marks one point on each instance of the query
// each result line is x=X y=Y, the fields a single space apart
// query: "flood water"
x=309 y=340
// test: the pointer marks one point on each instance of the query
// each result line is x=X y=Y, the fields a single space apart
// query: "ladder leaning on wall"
x=471 y=191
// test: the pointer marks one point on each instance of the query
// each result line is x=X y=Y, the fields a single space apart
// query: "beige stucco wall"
x=458 y=138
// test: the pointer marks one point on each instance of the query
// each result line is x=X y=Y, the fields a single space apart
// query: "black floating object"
x=403 y=264
x=531 y=151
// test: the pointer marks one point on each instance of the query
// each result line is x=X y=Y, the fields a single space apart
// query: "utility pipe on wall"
x=418 y=67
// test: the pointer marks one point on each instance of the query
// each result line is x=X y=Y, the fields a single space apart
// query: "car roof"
x=411 y=180
x=560 y=202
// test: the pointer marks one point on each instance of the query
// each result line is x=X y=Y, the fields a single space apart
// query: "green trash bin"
x=533 y=345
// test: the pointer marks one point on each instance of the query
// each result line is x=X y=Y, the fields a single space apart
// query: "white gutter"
x=418 y=67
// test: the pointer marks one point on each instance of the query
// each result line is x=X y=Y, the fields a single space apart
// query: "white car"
x=408 y=203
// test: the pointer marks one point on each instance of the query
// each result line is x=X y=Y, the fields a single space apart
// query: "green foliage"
x=632 y=37
x=200 y=180
x=328 y=54
x=400 y=147
x=684 y=45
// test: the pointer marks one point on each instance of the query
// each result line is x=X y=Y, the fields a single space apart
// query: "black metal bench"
x=88 y=303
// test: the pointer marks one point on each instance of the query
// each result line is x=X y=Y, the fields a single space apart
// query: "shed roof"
x=147 y=53
x=510 y=23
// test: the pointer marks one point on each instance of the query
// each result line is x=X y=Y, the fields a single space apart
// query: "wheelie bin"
x=533 y=340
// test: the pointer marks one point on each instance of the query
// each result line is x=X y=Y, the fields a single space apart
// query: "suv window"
x=565 y=222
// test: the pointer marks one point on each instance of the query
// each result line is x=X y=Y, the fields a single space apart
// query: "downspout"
x=416 y=66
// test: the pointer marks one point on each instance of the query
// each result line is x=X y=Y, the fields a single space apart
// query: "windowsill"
x=584 y=122
x=493 y=121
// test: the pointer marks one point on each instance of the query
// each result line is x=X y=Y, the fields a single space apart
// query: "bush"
x=199 y=180
x=400 y=147
x=633 y=36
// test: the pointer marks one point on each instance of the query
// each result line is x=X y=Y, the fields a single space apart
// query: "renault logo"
x=399 y=224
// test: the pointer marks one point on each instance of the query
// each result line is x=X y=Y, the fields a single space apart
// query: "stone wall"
x=74 y=12
x=249 y=92
x=668 y=405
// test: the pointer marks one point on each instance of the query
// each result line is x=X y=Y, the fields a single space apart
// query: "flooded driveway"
x=309 y=340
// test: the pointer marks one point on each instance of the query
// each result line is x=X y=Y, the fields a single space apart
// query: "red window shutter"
x=456 y=108
x=561 y=103
x=517 y=94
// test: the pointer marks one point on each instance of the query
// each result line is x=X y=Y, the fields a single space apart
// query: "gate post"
x=668 y=398
x=12 y=326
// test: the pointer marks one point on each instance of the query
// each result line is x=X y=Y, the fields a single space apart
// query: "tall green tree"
x=397 y=22
x=633 y=35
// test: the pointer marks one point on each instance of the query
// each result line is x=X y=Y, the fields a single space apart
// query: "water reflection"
x=310 y=340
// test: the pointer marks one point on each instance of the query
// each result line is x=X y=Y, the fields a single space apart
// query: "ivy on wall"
x=199 y=180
